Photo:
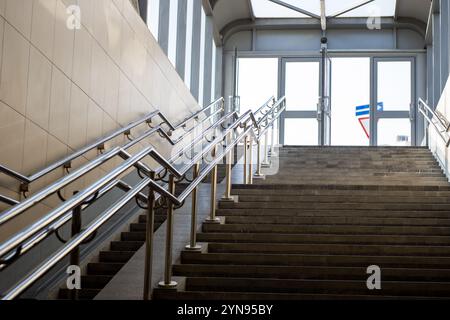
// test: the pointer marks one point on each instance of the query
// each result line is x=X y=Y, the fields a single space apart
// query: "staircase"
x=312 y=230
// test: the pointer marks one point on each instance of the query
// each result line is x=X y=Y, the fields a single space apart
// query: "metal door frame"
x=299 y=114
x=375 y=115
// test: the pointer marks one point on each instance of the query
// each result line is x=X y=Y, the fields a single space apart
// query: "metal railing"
x=99 y=144
x=17 y=245
x=440 y=124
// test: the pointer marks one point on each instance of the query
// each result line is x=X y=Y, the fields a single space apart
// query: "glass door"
x=394 y=115
x=325 y=101
x=301 y=84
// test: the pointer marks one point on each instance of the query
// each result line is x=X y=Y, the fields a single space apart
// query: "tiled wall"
x=61 y=89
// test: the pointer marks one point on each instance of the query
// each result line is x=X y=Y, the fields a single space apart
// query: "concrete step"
x=323 y=238
x=83 y=294
x=327 y=229
x=159 y=219
x=336 y=187
x=324 y=260
x=126 y=245
x=314 y=272
x=292 y=180
x=336 y=220
x=342 y=198
x=261 y=296
x=133 y=236
x=300 y=212
x=104 y=268
x=116 y=256
x=342 y=192
x=138 y=227
x=334 y=249
x=348 y=287
x=95 y=282
x=358 y=170
x=418 y=181
x=336 y=206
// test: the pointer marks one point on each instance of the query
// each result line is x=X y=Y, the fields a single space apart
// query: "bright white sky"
x=258 y=80
x=268 y=9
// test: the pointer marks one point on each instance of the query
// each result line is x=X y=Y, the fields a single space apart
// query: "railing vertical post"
x=258 y=173
x=150 y=226
x=168 y=283
x=266 y=162
x=75 y=254
x=250 y=161
x=245 y=158
x=212 y=214
x=229 y=159
x=272 y=142
x=193 y=241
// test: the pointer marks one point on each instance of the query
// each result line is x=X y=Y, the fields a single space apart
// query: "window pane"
x=377 y=8
x=268 y=9
x=301 y=132
x=394 y=85
x=202 y=59
x=173 y=25
x=302 y=86
x=394 y=132
x=189 y=30
x=350 y=89
x=153 y=17
x=257 y=81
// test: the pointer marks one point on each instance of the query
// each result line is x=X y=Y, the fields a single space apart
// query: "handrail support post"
x=250 y=162
x=212 y=214
x=229 y=159
x=150 y=226
x=193 y=240
x=75 y=254
x=266 y=162
x=168 y=283
x=246 y=146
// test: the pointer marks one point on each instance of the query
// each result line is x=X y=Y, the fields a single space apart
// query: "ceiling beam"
x=292 y=7
x=323 y=15
x=313 y=24
x=340 y=13
x=250 y=7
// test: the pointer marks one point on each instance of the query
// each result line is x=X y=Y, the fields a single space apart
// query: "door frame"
x=298 y=114
x=375 y=115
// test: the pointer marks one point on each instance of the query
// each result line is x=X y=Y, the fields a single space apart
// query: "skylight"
x=269 y=9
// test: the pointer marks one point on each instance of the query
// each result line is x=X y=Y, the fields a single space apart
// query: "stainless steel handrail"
x=117 y=183
x=32 y=231
x=425 y=109
x=8 y=200
x=100 y=143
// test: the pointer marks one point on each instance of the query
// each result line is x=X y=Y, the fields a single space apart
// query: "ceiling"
x=228 y=11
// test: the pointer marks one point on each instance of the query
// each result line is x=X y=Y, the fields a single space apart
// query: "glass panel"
x=394 y=132
x=153 y=17
x=350 y=91
x=202 y=58
x=268 y=9
x=301 y=132
x=302 y=86
x=189 y=31
x=394 y=85
x=257 y=81
x=173 y=24
x=378 y=8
